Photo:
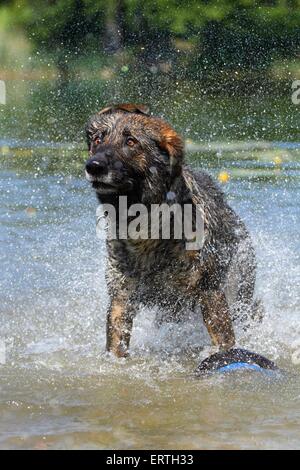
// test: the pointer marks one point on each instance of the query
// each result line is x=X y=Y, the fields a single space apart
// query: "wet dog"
x=137 y=155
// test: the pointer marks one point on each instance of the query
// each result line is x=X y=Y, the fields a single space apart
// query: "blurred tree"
x=61 y=28
x=210 y=34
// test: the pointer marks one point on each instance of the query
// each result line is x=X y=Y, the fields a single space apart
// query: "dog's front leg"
x=217 y=319
x=119 y=326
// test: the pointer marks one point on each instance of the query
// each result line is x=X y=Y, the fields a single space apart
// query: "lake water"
x=58 y=387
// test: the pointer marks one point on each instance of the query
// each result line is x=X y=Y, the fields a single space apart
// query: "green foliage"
x=63 y=23
x=212 y=34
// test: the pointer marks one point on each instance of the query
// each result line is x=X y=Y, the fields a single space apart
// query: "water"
x=59 y=389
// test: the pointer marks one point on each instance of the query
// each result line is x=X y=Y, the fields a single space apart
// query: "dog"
x=140 y=156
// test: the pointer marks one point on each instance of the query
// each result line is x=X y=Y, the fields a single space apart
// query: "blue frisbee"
x=235 y=360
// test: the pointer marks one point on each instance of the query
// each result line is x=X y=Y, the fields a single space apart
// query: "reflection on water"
x=44 y=110
x=58 y=387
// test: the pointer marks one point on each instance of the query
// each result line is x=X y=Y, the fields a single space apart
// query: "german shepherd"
x=137 y=155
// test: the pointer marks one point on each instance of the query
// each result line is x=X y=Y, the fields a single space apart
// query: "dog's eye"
x=130 y=141
x=97 y=141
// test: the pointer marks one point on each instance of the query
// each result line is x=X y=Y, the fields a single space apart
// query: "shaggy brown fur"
x=142 y=157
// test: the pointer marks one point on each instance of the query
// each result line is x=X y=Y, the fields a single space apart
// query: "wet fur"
x=219 y=278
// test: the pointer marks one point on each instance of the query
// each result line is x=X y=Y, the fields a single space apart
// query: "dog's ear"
x=127 y=108
x=172 y=144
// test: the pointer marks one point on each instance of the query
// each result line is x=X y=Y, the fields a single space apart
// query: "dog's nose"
x=98 y=165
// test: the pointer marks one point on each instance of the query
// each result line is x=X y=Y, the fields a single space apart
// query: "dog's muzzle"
x=97 y=166
x=106 y=173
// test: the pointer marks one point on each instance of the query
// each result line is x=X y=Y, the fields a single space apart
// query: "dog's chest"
x=162 y=270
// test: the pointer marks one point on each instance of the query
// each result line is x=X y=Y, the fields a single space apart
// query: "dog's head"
x=132 y=152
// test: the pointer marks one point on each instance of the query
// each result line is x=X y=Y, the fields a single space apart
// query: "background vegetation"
x=219 y=70
x=183 y=38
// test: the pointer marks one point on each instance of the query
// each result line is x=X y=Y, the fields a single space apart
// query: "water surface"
x=59 y=389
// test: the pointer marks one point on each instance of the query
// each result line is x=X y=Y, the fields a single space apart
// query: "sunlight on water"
x=59 y=388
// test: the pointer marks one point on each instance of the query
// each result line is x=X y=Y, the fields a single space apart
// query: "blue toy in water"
x=235 y=359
